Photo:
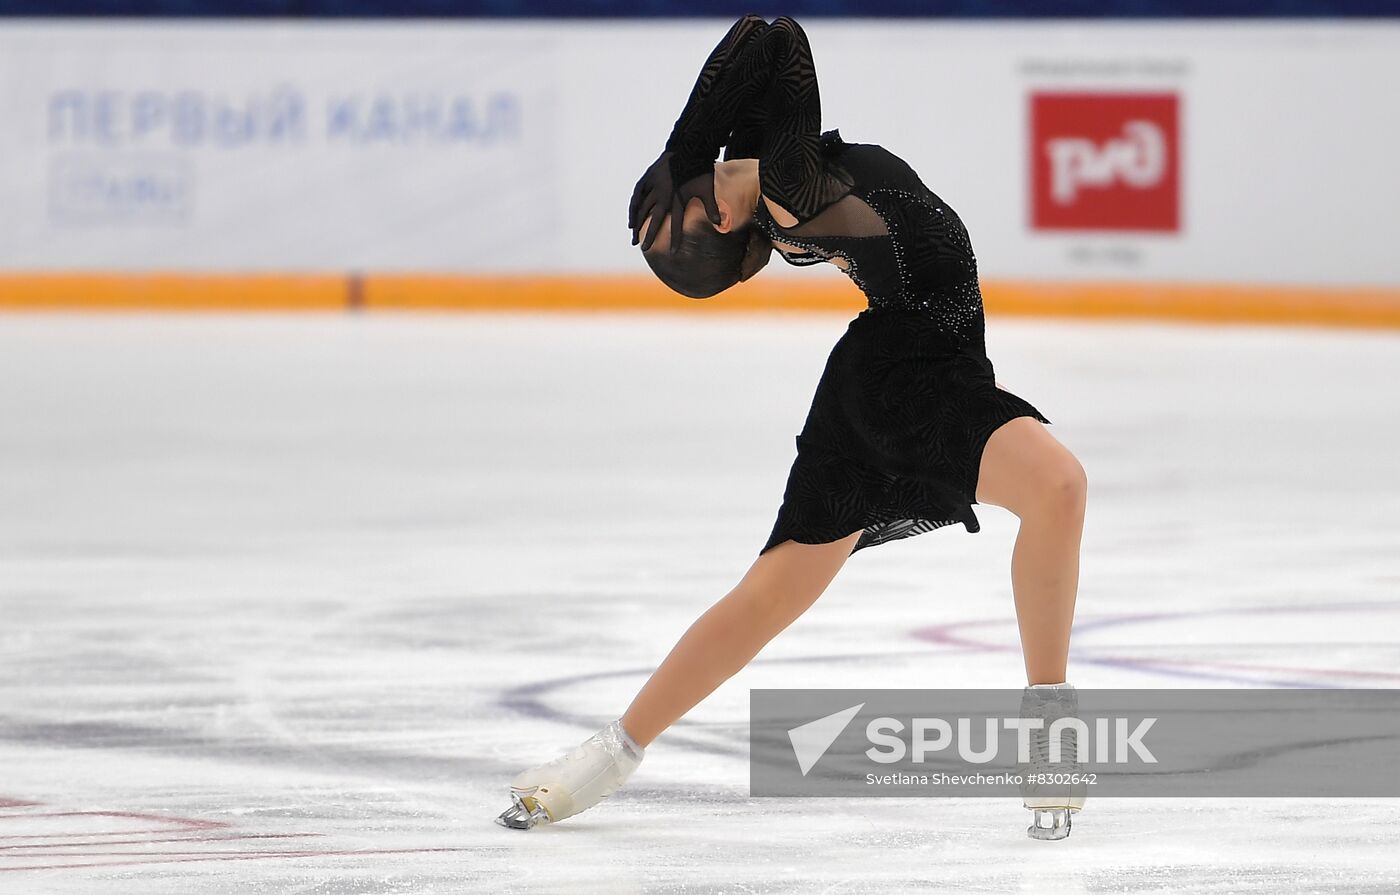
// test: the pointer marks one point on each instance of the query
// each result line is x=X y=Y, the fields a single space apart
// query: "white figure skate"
x=574 y=782
x=1053 y=790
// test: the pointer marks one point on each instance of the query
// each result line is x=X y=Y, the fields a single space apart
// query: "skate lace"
x=1040 y=747
x=1042 y=738
x=605 y=743
x=1040 y=752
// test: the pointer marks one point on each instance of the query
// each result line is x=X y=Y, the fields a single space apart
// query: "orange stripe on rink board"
x=600 y=293
x=172 y=292
x=1316 y=306
x=1339 y=306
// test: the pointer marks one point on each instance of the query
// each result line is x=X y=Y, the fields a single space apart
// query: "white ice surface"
x=286 y=601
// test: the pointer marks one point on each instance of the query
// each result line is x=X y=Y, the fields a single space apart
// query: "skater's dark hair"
x=707 y=262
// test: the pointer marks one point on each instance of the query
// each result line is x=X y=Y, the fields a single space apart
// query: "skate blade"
x=520 y=816
x=1050 y=824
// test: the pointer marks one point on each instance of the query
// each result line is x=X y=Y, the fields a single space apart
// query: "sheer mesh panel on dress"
x=849 y=216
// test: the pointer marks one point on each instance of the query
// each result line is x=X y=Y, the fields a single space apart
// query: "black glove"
x=655 y=194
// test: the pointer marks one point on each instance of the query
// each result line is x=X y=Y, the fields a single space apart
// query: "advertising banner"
x=1122 y=152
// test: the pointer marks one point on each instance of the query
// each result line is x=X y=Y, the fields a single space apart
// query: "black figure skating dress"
x=904 y=408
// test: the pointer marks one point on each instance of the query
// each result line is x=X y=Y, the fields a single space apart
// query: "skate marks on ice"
x=51 y=838
x=547 y=700
x=1256 y=662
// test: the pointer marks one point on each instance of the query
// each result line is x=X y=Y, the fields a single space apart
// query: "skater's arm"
x=795 y=179
x=727 y=82
x=731 y=77
x=760 y=75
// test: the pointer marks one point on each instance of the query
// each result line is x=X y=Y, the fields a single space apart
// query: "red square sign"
x=1105 y=161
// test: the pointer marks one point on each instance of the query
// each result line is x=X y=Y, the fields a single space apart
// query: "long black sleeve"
x=792 y=169
x=760 y=98
x=706 y=121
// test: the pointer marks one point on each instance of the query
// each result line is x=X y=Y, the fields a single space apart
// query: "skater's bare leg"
x=1027 y=471
x=779 y=587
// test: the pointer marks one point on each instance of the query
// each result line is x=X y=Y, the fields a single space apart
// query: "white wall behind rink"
x=495 y=147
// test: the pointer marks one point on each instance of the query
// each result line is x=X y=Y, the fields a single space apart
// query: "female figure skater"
x=908 y=427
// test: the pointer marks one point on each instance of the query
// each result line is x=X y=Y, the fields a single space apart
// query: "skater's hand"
x=657 y=197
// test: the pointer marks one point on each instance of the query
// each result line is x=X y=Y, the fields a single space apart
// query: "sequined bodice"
x=912 y=253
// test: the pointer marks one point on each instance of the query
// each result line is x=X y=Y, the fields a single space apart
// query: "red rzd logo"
x=1105 y=161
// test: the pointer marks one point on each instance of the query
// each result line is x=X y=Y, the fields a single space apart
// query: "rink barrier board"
x=1223 y=303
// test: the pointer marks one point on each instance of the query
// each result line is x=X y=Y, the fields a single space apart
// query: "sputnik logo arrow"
x=811 y=740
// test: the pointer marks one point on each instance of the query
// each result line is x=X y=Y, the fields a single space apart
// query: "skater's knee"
x=1069 y=488
x=1062 y=490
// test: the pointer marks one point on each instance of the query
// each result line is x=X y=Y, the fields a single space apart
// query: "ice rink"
x=285 y=601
